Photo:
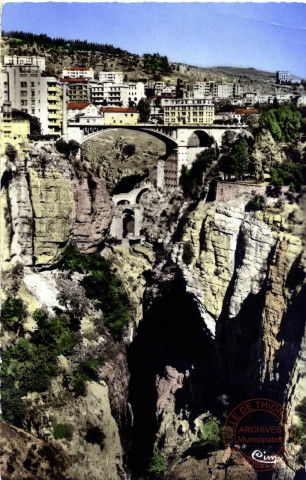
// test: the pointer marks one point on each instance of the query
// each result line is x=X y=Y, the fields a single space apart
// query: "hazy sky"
x=268 y=36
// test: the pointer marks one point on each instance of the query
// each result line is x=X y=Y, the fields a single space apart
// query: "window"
x=33 y=111
x=32 y=84
x=24 y=102
x=24 y=84
x=23 y=93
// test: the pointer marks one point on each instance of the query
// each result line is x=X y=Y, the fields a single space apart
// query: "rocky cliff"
x=205 y=330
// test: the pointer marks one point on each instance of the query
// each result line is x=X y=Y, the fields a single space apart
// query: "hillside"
x=61 y=53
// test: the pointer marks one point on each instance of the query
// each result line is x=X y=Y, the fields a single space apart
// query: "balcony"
x=54 y=116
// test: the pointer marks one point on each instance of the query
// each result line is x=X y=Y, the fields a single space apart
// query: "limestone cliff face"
x=48 y=202
x=82 y=414
x=92 y=202
x=232 y=319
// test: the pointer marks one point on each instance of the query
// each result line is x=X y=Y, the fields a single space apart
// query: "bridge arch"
x=128 y=222
x=200 y=138
x=139 y=195
x=167 y=139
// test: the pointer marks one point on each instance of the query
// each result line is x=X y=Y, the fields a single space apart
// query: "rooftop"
x=118 y=110
x=77 y=105
x=73 y=80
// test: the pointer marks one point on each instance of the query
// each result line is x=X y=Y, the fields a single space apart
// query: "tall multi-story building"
x=34 y=93
x=136 y=92
x=22 y=61
x=109 y=94
x=111 y=77
x=78 y=89
x=23 y=87
x=201 y=89
x=78 y=72
x=52 y=108
x=226 y=90
x=282 y=76
x=188 y=111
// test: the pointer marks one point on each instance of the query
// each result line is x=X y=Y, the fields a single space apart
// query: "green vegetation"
x=29 y=365
x=236 y=163
x=101 y=285
x=211 y=434
x=288 y=173
x=70 y=148
x=157 y=466
x=144 y=110
x=85 y=372
x=192 y=178
x=187 y=253
x=61 y=43
x=301 y=428
x=156 y=63
x=284 y=122
x=256 y=203
x=12 y=313
x=61 y=430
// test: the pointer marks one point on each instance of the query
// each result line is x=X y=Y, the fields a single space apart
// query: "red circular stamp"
x=260 y=433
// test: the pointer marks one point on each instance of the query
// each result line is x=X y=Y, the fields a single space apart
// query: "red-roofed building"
x=75 y=108
x=78 y=72
x=247 y=111
x=120 y=116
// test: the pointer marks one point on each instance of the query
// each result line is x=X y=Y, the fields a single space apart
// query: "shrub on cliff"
x=256 y=203
x=70 y=148
x=288 y=173
x=30 y=364
x=61 y=430
x=156 y=467
x=101 y=285
x=301 y=428
x=85 y=372
x=12 y=313
x=211 y=434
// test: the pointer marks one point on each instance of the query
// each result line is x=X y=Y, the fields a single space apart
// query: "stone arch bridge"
x=128 y=213
x=183 y=143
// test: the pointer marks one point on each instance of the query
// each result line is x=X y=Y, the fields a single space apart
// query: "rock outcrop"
x=266 y=155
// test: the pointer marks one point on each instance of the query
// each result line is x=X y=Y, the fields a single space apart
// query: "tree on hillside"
x=283 y=122
x=144 y=110
x=239 y=156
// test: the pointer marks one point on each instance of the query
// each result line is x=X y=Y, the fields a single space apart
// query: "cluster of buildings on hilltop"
x=82 y=98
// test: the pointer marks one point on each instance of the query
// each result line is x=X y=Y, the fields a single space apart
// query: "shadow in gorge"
x=171 y=334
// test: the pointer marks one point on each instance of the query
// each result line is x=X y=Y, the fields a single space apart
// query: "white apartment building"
x=111 y=77
x=22 y=86
x=136 y=92
x=201 y=89
x=226 y=90
x=78 y=72
x=22 y=61
x=32 y=93
x=282 y=76
x=110 y=93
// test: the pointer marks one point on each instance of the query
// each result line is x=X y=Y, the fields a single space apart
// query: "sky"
x=267 y=36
